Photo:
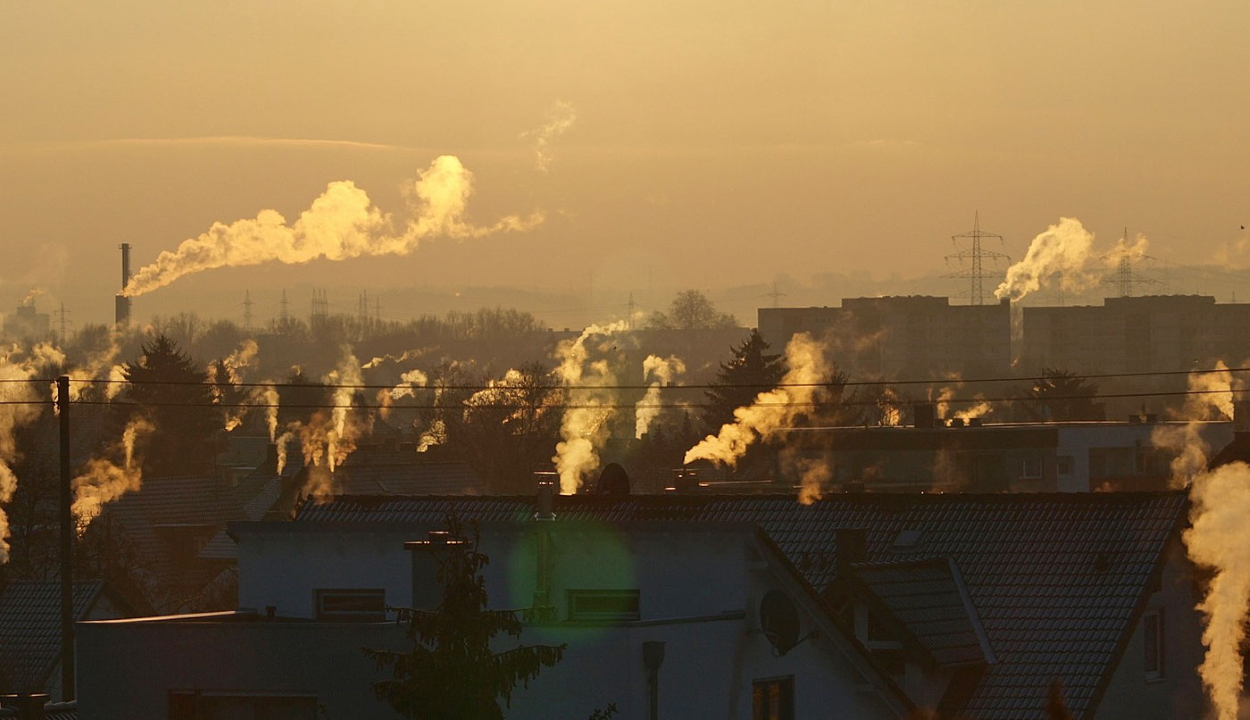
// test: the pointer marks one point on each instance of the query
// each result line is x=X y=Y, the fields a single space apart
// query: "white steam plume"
x=560 y=118
x=103 y=481
x=772 y=411
x=18 y=366
x=1060 y=252
x=663 y=370
x=341 y=224
x=328 y=439
x=1220 y=539
x=584 y=427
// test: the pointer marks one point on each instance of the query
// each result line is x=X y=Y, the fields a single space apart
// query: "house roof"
x=1055 y=579
x=30 y=630
x=51 y=711
x=928 y=598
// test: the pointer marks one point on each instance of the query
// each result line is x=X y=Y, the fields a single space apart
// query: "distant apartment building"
x=902 y=337
x=1136 y=334
x=1132 y=455
x=27 y=324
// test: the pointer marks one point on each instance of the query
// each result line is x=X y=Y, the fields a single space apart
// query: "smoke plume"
x=663 y=370
x=584 y=427
x=105 y=479
x=1059 y=253
x=18 y=366
x=773 y=410
x=1219 y=539
x=341 y=224
x=329 y=438
x=560 y=118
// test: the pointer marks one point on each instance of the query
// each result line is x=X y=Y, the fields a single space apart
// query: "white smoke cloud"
x=329 y=438
x=1219 y=539
x=18 y=365
x=1059 y=254
x=103 y=481
x=772 y=411
x=560 y=118
x=341 y=224
x=584 y=427
x=647 y=409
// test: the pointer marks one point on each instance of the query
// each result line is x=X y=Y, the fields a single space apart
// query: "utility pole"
x=67 y=546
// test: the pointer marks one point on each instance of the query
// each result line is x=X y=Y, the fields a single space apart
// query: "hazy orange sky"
x=716 y=143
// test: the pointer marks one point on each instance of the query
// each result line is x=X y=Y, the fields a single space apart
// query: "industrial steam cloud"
x=342 y=223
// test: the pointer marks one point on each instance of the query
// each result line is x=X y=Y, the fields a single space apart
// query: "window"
x=604 y=605
x=773 y=699
x=1152 y=635
x=352 y=605
x=1065 y=464
x=1031 y=468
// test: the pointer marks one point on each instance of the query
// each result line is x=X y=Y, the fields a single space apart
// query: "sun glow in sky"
x=716 y=143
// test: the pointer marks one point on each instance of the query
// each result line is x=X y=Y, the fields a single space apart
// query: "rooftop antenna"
x=976 y=255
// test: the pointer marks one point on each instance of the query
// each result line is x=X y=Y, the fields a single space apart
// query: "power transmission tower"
x=1124 y=278
x=286 y=315
x=775 y=294
x=377 y=310
x=976 y=256
x=629 y=309
x=63 y=318
x=247 y=311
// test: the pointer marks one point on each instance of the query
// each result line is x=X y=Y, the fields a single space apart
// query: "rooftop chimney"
x=924 y=415
x=543 y=506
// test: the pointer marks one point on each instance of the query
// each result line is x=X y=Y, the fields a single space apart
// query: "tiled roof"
x=1054 y=579
x=51 y=711
x=926 y=598
x=30 y=630
x=408 y=478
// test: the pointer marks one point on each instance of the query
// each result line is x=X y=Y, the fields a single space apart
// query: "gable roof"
x=928 y=599
x=1055 y=579
x=30 y=630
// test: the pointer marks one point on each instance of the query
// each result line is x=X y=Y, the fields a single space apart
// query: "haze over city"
x=533 y=360
x=713 y=146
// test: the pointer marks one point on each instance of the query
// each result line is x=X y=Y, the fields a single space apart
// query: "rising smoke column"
x=584 y=426
x=772 y=411
x=329 y=438
x=341 y=224
x=1060 y=252
x=648 y=408
x=1219 y=539
x=18 y=369
x=104 y=479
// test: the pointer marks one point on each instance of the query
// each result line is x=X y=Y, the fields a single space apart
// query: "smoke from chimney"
x=17 y=365
x=1059 y=252
x=341 y=224
x=773 y=410
x=663 y=370
x=584 y=426
x=104 y=480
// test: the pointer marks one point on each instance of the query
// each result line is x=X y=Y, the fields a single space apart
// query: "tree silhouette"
x=692 y=310
x=751 y=371
x=1063 y=396
x=166 y=386
x=451 y=672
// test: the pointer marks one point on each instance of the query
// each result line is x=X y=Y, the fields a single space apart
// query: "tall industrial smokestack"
x=122 y=316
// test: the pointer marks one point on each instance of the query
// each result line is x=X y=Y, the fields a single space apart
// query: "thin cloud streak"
x=216 y=141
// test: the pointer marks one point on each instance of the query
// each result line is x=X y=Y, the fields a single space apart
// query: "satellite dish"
x=779 y=619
